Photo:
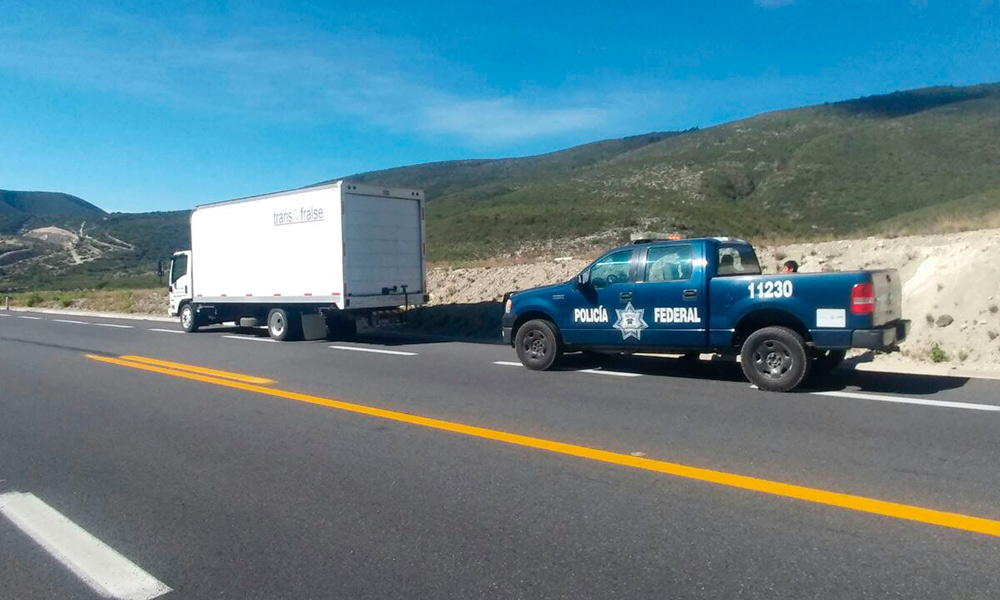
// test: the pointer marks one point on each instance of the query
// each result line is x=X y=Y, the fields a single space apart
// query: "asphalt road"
x=231 y=490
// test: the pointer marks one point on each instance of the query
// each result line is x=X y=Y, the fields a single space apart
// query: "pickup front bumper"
x=881 y=338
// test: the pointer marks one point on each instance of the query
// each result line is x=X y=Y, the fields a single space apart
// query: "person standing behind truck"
x=790 y=266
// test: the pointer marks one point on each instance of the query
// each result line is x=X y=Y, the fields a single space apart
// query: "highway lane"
x=213 y=489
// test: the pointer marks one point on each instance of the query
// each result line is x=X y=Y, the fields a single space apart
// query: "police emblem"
x=630 y=322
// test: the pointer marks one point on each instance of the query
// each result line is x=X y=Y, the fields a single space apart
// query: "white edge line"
x=903 y=400
x=374 y=350
x=31 y=318
x=4 y=315
x=507 y=363
x=101 y=567
x=615 y=373
x=166 y=330
x=253 y=339
x=115 y=325
x=70 y=321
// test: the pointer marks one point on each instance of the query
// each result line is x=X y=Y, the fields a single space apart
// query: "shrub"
x=33 y=299
x=65 y=302
x=937 y=354
x=992 y=335
x=962 y=355
x=930 y=319
x=994 y=308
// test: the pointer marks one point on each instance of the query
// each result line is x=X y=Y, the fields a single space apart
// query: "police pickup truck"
x=708 y=295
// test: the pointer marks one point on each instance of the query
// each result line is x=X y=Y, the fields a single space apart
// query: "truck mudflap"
x=883 y=337
x=507 y=327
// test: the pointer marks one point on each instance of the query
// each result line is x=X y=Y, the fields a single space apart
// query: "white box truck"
x=321 y=255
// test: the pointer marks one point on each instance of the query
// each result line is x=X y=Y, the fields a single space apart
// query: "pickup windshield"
x=737 y=259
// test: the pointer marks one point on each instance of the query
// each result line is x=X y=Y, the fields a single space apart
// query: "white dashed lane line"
x=374 y=351
x=30 y=318
x=252 y=339
x=917 y=401
x=114 y=325
x=615 y=373
x=102 y=568
x=166 y=330
x=70 y=321
x=507 y=363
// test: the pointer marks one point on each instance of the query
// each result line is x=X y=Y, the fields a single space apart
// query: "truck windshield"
x=737 y=259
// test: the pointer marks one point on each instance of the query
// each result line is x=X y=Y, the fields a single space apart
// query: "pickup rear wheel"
x=775 y=359
x=538 y=345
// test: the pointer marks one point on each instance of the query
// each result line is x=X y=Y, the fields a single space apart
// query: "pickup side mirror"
x=582 y=280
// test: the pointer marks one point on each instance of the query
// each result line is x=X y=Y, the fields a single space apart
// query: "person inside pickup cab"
x=790 y=266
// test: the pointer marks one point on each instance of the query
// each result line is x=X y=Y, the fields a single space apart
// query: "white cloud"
x=292 y=75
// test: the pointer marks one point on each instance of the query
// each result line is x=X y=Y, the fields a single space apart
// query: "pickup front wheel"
x=538 y=345
x=775 y=359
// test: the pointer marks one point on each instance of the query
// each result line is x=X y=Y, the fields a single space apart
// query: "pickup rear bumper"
x=886 y=336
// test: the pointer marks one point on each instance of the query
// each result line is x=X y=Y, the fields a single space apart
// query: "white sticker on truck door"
x=831 y=317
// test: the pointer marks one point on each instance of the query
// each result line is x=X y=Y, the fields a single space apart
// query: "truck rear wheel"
x=775 y=359
x=284 y=325
x=538 y=345
x=189 y=319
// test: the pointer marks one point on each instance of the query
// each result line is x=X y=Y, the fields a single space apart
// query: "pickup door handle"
x=625 y=296
x=690 y=294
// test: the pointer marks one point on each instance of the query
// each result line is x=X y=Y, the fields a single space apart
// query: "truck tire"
x=538 y=345
x=775 y=359
x=189 y=318
x=284 y=325
x=825 y=361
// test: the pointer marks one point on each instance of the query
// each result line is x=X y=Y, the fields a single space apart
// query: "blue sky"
x=166 y=104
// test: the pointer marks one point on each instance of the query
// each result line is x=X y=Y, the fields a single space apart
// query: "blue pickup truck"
x=708 y=295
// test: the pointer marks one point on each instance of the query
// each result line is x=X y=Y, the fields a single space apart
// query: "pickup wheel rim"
x=536 y=345
x=772 y=359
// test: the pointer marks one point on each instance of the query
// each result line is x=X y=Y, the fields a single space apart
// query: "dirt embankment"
x=951 y=287
x=951 y=292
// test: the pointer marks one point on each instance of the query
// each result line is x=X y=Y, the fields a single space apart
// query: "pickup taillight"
x=863 y=299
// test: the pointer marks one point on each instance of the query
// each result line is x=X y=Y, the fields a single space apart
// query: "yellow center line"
x=201 y=370
x=837 y=499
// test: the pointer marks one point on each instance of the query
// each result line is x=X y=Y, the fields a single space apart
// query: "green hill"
x=18 y=208
x=837 y=169
x=908 y=162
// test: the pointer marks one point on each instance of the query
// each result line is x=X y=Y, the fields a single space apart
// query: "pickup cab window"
x=612 y=269
x=669 y=263
x=737 y=259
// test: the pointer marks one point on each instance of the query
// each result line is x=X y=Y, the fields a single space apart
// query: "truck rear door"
x=383 y=245
x=670 y=292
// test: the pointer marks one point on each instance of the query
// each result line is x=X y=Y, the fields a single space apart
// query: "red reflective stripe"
x=249 y=295
x=308 y=294
x=277 y=294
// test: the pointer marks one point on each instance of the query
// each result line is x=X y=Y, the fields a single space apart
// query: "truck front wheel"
x=775 y=359
x=538 y=345
x=284 y=325
x=189 y=318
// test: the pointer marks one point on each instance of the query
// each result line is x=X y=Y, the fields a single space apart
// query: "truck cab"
x=707 y=295
x=180 y=289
